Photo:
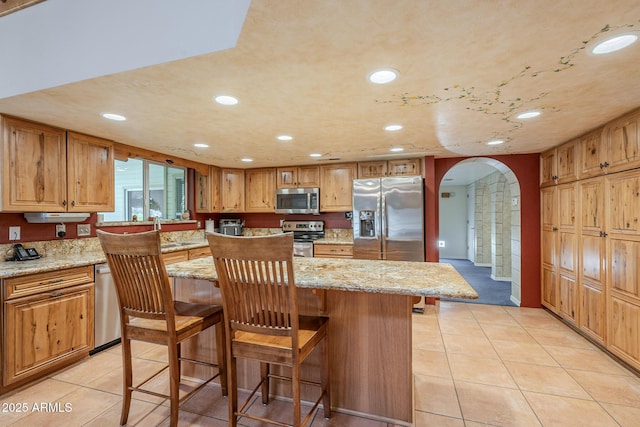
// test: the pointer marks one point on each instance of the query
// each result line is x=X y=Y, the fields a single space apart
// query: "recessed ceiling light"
x=116 y=117
x=226 y=100
x=528 y=115
x=615 y=43
x=201 y=145
x=246 y=160
x=396 y=149
x=495 y=142
x=285 y=137
x=383 y=75
x=393 y=128
x=315 y=155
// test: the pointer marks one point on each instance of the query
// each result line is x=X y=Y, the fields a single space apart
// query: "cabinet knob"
x=64 y=203
x=554 y=229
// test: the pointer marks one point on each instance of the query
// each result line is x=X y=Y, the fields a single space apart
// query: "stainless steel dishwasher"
x=107 y=313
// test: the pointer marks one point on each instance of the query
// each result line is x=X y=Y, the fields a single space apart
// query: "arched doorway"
x=493 y=230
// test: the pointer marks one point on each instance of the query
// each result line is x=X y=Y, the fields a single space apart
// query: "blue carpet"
x=489 y=291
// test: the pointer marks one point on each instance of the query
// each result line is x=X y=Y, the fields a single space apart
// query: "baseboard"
x=500 y=279
x=515 y=300
x=482 y=264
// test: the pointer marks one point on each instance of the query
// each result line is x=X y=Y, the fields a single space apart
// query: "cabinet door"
x=34 y=167
x=624 y=330
x=592 y=257
x=568 y=298
x=260 y=190
x=232 y=191
x=90 y=173
x=46 y=330
x=202 y=193
x=567 y=166
x=308 y=176
x=403 y=167
x=548 y=171
x=372 y=169
x=624 y=204
x=287 y=177
x=592 y=154
x=336 y=187
x=549 y=245
x=623 y=143
x=208 y=191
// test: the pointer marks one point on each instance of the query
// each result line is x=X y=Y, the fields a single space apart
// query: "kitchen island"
x=369 y=305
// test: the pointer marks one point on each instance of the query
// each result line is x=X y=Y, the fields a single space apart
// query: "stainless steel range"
x=304 y=233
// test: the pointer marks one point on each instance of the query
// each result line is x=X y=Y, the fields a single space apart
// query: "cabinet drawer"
x=331 y=251
x=199 y=252
x=173 y=257
x=31 y=284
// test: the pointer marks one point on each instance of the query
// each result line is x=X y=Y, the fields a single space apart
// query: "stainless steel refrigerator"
x=388 y=218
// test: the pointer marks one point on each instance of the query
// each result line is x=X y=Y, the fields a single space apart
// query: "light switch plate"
x=84 y=230
x=14 y=233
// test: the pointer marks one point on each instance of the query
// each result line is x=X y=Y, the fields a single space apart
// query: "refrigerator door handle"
x=384 y=227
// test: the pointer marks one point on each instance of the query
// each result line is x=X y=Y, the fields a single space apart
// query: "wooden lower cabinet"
x=568 y=298
x=592 y=319
x=333 y=251
x=624 y=330
x=50 y=328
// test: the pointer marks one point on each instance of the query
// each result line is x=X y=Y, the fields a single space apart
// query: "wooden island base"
x=369 y=347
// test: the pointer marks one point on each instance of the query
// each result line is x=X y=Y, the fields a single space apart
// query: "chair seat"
x=276 y=349
x=190 y=318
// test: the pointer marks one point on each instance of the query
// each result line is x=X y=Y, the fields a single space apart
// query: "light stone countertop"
x=82 y=255
x=334 y=240
x=390 y=277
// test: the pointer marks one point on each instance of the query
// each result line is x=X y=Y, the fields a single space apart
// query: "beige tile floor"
x=474 y=365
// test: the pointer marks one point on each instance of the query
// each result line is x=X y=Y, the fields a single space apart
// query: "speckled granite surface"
x=391 y=277
x=67 y=253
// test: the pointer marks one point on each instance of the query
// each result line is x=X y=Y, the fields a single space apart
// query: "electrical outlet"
x=14 y=233
x=61 y=230
x=198 y=224
x=84 y=230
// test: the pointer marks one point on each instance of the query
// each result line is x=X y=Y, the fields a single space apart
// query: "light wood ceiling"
x=299 y=68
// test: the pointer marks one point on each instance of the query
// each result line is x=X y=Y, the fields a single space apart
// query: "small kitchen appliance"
x=304 y=233
x=231 y=227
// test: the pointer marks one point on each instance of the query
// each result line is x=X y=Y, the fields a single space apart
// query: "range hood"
x=55 y=217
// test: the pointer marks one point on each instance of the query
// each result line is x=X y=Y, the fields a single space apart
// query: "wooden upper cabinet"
x=34 y=167
x=232 y=190
x=48 y=170
x=592 y=152
x=559 y=165
x=90 y=173
x=298 y=176
x=382 y=168
x=208 y=191
x=623 y=142
x=408 y=167
x=336 y=187
x=567 y=159
x=372 y=169
x=260 y=190
x=548 y=168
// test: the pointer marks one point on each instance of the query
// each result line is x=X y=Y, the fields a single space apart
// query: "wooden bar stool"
x=149 y=313
x=261 y=319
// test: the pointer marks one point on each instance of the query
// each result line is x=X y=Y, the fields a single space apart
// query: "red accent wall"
x=525 y=167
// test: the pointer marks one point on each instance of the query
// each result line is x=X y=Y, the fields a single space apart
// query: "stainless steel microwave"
x=298 y=201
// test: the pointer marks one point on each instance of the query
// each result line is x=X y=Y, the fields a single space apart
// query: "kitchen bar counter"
x=369 y=304
x=372 y=276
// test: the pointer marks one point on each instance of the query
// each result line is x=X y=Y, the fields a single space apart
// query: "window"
x=147 y=189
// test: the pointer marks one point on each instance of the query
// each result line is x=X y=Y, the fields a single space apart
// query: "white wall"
x=453 y=222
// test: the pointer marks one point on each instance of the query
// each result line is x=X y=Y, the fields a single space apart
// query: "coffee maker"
x=231 y=227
